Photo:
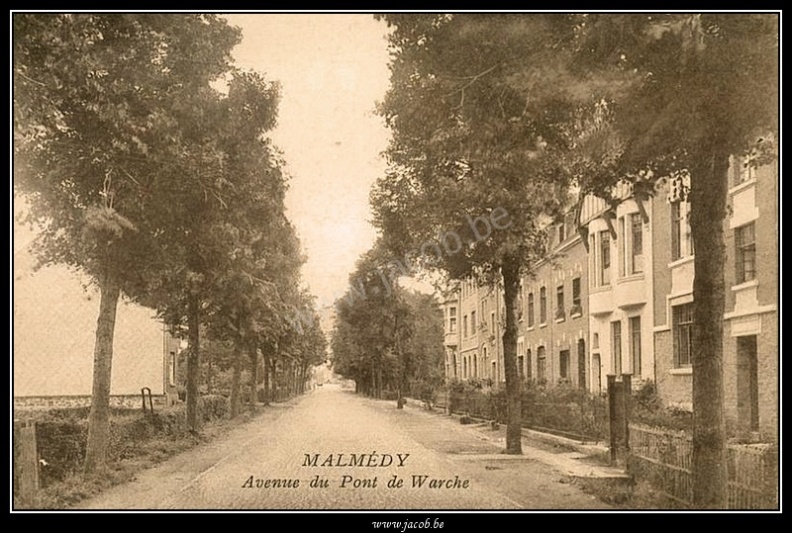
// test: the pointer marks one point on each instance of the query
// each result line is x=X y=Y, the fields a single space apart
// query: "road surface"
x=332 y=449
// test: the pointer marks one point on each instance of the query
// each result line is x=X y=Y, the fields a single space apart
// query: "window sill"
x=631 y=277
x=559 y=320
x=745 y=285
x=530 y=328
x=601 y=288
x=681 y=261
x=742 y=186
x=684 y=371
x=576 y=315
x=543 y=325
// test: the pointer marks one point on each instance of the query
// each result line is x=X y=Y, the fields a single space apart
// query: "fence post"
x=627 y=397
x=26 y=463
x=616 y=414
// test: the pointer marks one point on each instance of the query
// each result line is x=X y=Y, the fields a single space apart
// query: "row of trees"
x=142 y=175
x=508 y=111
x=387 y=339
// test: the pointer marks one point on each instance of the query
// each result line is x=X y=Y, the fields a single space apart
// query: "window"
x=464 y=326
x=494 y=372
x=676 y=230
x=172 y=368
x=630 y=245
x=540 y=364
x=635 y=264
x=745 y=256
x=492 y=321
x=616 y=348
x=473 y=323
x=530 y=309
x=520 y=303
x=581 y=348
x=593 y=260
x=743 y=168
x=683 y=334
x=561 y=233
x=521 y=367
x=542 y=305
x=528 y=369
x=563 y=364
x=452 y=321
x=635 y=345
x=560 y=302
x=576 y=308
x=622 y=246
x=681 y=242
x=604 y=270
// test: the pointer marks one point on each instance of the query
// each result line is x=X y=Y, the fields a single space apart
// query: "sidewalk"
x=567 y=456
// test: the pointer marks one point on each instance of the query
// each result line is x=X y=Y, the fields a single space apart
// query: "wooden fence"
x=664 y=458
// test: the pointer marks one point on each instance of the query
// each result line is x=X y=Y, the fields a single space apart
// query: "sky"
x=333 y=69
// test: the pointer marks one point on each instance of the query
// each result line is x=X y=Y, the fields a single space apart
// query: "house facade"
x=621 y=278
x=552 y=343
x=54 y=323
x=453 y=362
x=750 y=329
x=614 y=296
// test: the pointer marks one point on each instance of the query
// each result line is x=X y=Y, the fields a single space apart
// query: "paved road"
x=351 y=447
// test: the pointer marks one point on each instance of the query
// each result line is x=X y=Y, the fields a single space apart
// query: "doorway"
x=747 y=384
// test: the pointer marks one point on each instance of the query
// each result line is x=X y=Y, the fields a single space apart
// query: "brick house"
x=750 y=343
x=472 y=332
x=614 y=296
x=553 y=310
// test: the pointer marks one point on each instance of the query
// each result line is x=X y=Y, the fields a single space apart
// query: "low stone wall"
x=48 y=402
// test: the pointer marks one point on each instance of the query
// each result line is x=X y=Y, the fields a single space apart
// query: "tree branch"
x=473 y=79
x=28 y=78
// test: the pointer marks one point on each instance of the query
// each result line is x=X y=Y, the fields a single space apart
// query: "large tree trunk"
x=267 y=370
x=236 y=374
x=253 y=376
x=193 y=362
x=709 y=183
x=99 y=418
x=209 y=373
x=511 y=283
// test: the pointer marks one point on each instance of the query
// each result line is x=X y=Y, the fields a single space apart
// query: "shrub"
x=213 y=406
x=61 y=447
x=647 y=408
x=390 y=395
x=646 y=398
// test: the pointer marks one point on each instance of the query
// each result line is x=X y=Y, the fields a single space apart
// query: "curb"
x=569 y=463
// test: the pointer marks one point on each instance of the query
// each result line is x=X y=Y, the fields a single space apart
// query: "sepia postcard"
x=395 y=266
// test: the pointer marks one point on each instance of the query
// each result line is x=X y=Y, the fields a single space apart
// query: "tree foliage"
x=702 y=87
x=493 y=108
x=480 y=110
x=97 y=104
x=155 y=184
x=386 y=338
